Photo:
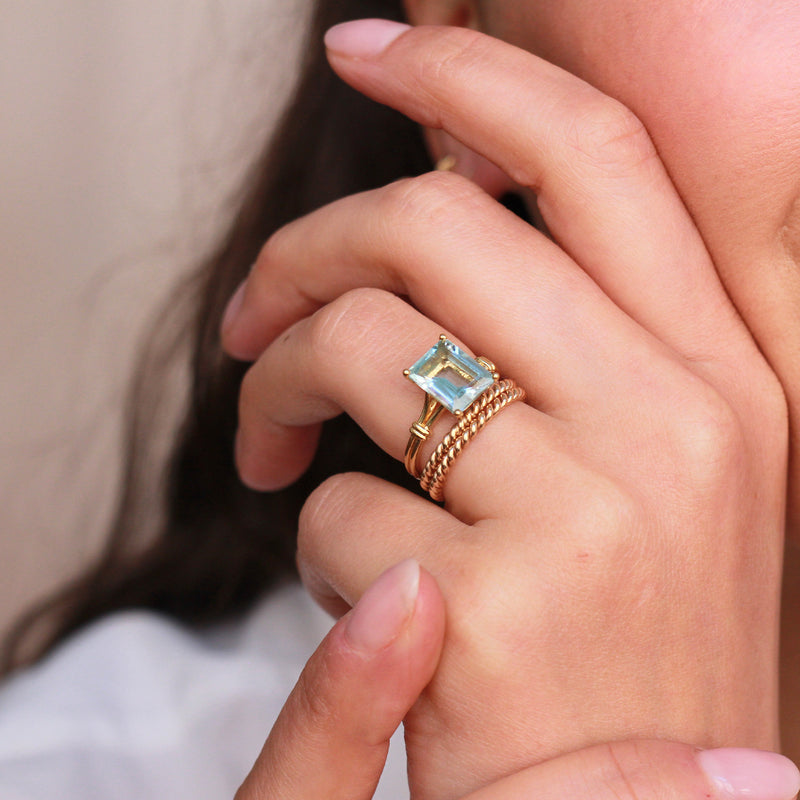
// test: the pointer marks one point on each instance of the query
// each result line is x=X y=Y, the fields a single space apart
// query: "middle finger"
x=466 y=263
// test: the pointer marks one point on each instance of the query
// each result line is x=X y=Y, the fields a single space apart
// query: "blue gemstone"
x=452 y=377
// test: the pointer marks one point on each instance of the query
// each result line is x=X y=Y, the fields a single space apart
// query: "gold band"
x=446 y=163
x=463 y=422
x=420 y=431
x=494 y=400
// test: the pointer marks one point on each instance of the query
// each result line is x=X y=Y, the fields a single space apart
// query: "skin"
x=354 y=692
x=721 y=88
x=716 y=84
x=640 y=551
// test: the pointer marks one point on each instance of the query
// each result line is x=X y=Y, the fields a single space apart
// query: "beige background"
x=126 y=126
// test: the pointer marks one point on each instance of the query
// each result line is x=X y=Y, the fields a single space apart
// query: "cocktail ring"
x=454 y=381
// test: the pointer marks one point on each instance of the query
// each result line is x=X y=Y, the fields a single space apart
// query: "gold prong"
x=406 y=372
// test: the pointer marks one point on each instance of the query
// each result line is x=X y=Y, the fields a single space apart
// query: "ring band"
x=465 y=421
x=470 y=389
x=435 y=473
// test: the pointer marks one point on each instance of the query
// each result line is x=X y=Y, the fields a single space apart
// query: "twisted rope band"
x=494 y=400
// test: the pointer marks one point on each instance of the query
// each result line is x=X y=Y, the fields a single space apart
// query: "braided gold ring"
x=470 y=389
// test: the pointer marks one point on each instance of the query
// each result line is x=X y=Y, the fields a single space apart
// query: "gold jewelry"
x=463 y=422
x=451 y=380
x=446 y=163
x=470 y=389
x=420 y=431
x=434 y=475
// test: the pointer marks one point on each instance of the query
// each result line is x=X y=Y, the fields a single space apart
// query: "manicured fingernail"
x=363 y=38
x=232 y=309
x=384 y=609
x=753 y=774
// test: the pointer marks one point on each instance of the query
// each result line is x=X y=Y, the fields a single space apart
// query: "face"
x=717 y=84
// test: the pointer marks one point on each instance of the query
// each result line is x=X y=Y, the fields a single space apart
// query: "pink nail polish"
x=737 y=773
x=233 y=307
x=384 y=609
x=363 y=38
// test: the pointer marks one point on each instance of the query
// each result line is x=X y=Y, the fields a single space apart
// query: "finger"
x=652 y=770
x=353 y=526
x=332 y=735
x=350 y=357
x=601 y=187
x=464 y=261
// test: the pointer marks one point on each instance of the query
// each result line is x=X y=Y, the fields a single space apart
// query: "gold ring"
x=454 y=381
x=451 y=380
x=461 y=434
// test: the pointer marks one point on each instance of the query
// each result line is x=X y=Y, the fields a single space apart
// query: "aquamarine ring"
x=452 y=381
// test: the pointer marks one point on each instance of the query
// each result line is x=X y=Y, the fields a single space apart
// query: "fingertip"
x=276 y=458
x=236 y=337
x=363 y=38
x=739 y=773
x=231 y=313
x=385 y=609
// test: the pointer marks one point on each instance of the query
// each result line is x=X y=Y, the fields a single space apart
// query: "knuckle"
x=331 y=500
x=708 y=439
x=273 y=250
x=316 y=508
x=314 y=698
x=453 y=58
x=611 y=136
x=347 y=323
x=429 y=199
x=608 y=513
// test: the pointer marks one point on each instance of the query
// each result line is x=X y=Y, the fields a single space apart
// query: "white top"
x=136 y=707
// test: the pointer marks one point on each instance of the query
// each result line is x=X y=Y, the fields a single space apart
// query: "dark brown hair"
x=218 y=546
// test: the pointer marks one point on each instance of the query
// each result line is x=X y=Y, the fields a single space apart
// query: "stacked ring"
x=470 y=389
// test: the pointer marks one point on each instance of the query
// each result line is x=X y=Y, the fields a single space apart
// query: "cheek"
x=716 y=82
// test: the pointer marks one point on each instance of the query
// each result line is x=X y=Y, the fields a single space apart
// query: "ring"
x=502 y=394
x=469 y=388
x=451 y=380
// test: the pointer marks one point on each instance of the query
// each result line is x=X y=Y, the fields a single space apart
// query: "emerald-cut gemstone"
x=450 y=376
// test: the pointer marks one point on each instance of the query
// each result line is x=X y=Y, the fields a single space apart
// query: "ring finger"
x=349 y=357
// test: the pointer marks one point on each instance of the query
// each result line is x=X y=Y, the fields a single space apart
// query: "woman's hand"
x=610 y=552
x=331 y=738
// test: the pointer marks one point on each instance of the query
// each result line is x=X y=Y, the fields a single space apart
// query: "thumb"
x=652 y=770
x=332 y=736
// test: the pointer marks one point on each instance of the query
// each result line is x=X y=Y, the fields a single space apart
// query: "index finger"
x=600 y=185
x=332 y=736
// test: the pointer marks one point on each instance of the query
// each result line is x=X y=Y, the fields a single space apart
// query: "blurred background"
x=125 y=130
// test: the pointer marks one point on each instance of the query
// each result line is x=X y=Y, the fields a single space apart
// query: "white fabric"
x=137 y=708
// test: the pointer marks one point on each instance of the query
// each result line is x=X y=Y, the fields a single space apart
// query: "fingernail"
x=363 y=38
x=738 y=773
x=232 y=309
x=383 y=610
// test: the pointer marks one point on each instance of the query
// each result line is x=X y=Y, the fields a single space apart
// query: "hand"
x=610 y=552
x=331 y=738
